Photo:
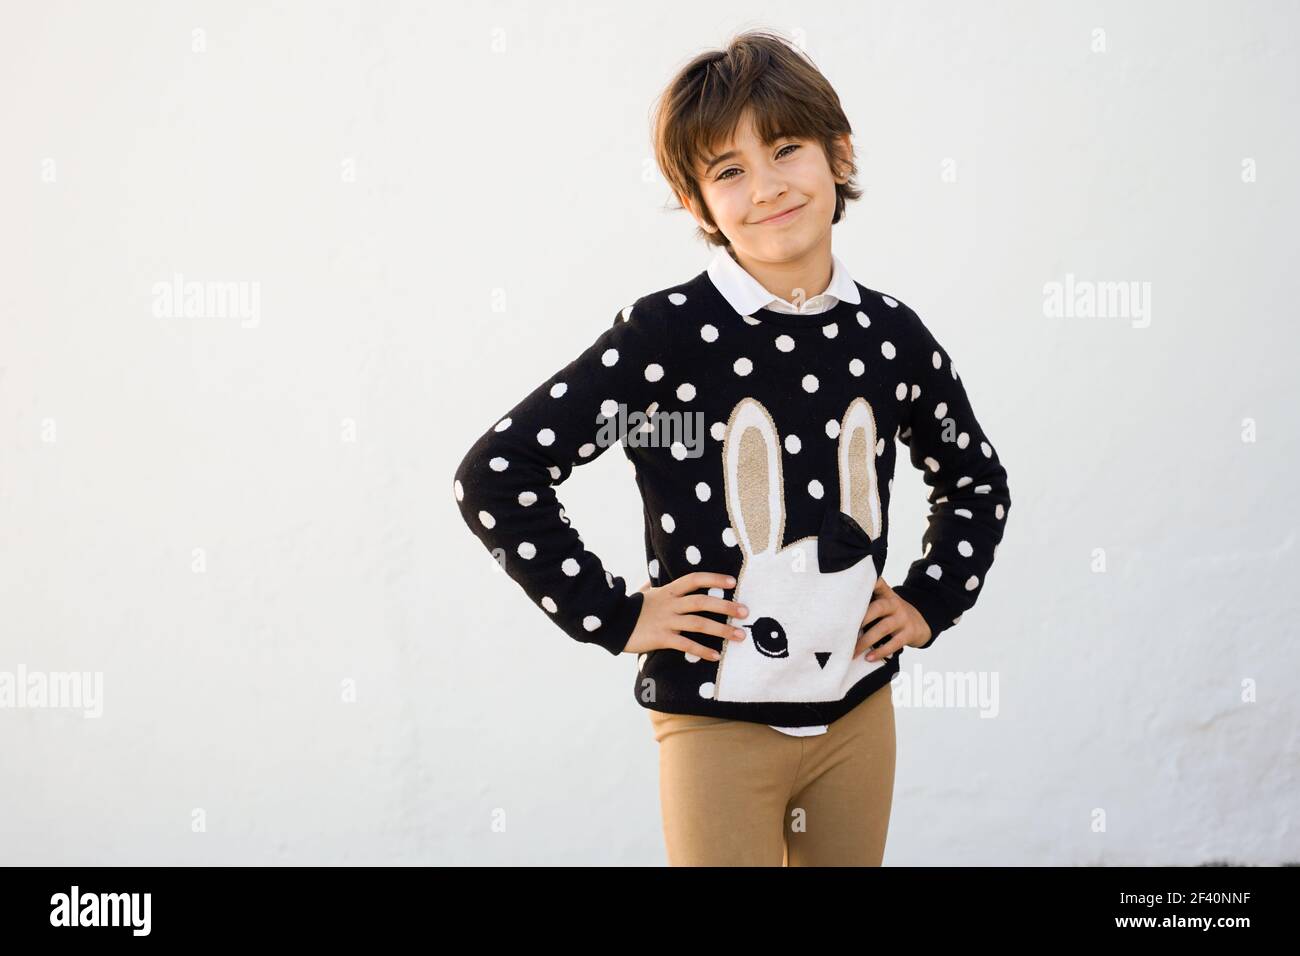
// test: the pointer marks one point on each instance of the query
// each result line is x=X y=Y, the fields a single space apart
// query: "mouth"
x=780 y=218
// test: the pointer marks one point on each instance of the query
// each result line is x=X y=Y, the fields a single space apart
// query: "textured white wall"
x=228 y=518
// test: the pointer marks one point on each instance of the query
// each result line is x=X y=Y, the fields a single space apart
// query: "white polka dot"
x=856 y=367
x=887 y=349
x=750 y=320
x=999 y=511
x=785 y=343
x=952 y=368
x=691 y=658
x=892 y=303
x=716 y=592
x=709 y=333
x=900 y=393
x=679 y=450
x=940 y=410
x=972 y=583
x=863 y=320
x=830 y=330
x=743 y=366
x=934 y=571
x=987 y=449
x=963 y=440
x=792 y=444
x=527 y=549
x=609 y=579
x=609 y=408
x=936 y=360
x=880 y=447
x=654 y=372
x=964 y=549
x=549 y=604
x=809 y=383
x=963 y=513
x=498 y=464
x=609 y=357
x=706 y=690
x=718 y=430
x=668 y=523
x=729 y=537
x=832 y=429
x=703 y=491
x=558 y=389
x=931 y=464
x=546 y=437
x=815 y=489
x=676 y=298
x=502 y=425
x=585 y=449
x=653 y=567
x=554 y=470
x=487 y=519
x=686 y=391
x=963 y=481
x=983 y=489
x=693 y=554
x=460 y=490
x=570 y=566
x=591 y=622
x=916 y=392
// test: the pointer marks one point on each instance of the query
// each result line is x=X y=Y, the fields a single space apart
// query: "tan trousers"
x=738 y=793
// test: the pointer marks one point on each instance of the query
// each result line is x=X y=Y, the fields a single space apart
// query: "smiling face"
x=773 y=201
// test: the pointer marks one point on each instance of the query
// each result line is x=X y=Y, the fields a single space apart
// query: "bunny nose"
x=822 y=658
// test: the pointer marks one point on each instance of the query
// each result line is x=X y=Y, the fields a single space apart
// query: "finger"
x=707 y=602
x=700 y=581
x=887 y=626
x=687 y=646
x=887 y=650
x=705 y=625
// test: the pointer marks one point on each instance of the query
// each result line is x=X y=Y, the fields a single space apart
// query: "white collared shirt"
x=747 y=295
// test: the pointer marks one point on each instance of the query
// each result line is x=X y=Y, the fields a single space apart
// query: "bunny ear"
x=859 y=493
x=751 y=462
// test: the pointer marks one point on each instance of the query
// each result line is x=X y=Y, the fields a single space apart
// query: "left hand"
x=892 y=615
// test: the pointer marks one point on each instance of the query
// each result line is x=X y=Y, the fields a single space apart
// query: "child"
x=758 y=402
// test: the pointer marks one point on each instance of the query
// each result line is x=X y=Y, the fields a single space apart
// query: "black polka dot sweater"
x=763 y=448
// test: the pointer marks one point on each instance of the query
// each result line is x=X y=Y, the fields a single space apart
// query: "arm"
x=504 y=485
x=968 y=485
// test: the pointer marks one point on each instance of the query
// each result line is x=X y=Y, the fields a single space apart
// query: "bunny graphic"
x=803 y=622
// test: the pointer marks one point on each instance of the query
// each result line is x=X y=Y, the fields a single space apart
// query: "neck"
x=794 y=280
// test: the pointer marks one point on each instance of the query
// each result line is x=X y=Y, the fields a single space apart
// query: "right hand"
x=665 y=614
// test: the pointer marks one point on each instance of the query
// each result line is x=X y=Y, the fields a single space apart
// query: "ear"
x=751 y=463
x=843 y=147
x=696 y=213
x=859 y=493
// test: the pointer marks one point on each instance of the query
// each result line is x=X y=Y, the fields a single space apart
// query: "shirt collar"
x=746 y=295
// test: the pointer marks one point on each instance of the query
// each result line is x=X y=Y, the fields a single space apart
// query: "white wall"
x=438 y=205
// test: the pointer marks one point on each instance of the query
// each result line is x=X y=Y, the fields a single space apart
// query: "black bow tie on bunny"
x=843 y=542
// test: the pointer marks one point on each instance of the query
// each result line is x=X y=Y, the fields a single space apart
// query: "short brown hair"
x=704 y=103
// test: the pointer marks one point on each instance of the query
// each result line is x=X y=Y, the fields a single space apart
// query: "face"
x=774 y=201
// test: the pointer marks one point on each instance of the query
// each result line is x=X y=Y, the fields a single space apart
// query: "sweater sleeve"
x=504 y=486
x=969 y=498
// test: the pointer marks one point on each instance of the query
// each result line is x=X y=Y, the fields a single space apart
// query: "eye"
x=780 y=154
x=769 y=637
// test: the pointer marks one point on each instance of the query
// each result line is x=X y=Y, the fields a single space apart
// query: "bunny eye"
x=769 y=637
